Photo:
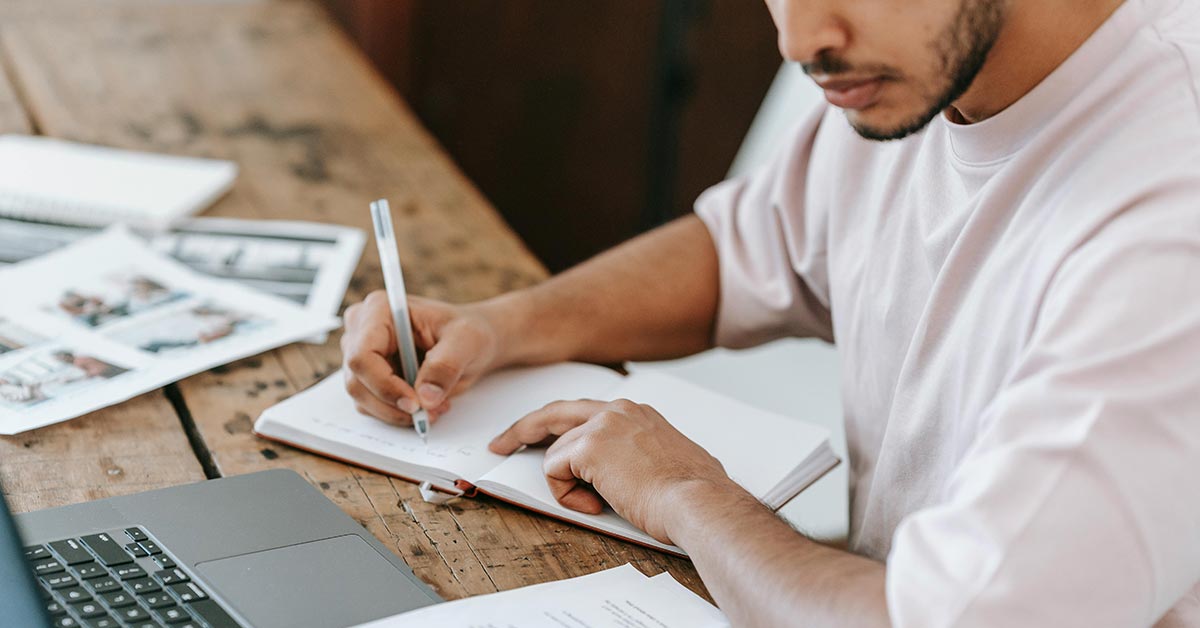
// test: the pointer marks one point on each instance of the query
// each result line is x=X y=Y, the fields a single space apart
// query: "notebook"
x=772 y=456
x=55 y=180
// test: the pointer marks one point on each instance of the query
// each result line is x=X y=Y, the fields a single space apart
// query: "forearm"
x=654 y=297
x=763 y=573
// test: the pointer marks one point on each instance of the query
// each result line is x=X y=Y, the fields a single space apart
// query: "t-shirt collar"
x=1000 y=136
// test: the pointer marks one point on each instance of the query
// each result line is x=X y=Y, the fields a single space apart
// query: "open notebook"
x=771 y=456
x=55 y=180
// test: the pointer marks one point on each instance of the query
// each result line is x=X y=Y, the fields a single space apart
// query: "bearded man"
x=1004 y=244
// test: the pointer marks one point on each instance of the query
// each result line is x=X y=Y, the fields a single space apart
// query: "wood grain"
x=318 y=135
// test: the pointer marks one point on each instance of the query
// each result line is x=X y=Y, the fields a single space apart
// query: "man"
x=1012 y=285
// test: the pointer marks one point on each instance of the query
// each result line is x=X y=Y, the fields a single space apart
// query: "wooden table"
x=277 y=88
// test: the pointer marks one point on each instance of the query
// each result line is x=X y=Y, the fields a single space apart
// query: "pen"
x=393 y=280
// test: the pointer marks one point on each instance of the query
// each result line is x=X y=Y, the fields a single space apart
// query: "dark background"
x=584 y=122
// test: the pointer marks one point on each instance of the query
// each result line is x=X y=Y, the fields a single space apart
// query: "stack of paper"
x=616 y=598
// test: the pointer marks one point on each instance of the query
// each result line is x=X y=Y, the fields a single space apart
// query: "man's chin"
x=880 y=125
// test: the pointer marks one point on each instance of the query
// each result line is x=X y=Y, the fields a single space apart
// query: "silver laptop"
x=262 y=550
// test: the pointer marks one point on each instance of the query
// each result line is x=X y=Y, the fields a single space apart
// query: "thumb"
x=444 y=366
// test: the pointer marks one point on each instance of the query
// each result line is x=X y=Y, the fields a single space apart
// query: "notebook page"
x=616 y=598
x=757 y=448
x=458 y=441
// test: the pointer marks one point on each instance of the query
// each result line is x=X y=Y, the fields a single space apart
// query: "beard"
x=961 y=50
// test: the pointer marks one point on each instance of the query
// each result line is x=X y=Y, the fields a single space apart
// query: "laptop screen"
x=20 y=601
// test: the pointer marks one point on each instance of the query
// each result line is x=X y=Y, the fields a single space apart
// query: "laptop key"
x=71 y=551
x=130 y=572
x=75 y=594
x=47 y=565
x=104 y=585
x=174 y=615
x=87 y=571
x=60 y=581
x=117 y=599
x=107 y=549
x=136 y=534
x=65 y=621
x=135 y=550
x=37 y=552
x=151 y=547
x=158 y=599
x=164 y=561
x=54 y=607
x=131 y=614
x=213 y=614
x=142 y=586
x=171 y=576
x=188 y=592
x=89 y=609
x=106 y=621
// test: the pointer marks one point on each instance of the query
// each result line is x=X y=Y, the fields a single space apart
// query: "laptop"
x=262 y=550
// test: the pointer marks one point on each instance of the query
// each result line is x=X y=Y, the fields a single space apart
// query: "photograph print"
x=189 y=328
x=114 y=297
x=52 y=373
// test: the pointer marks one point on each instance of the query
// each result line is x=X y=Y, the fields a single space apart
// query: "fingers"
x=367 y=403
x=561 y=467
x=377 y=375
x=368 y=339
x=444 y=365
x=554 y=419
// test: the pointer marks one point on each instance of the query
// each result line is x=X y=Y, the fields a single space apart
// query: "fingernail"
x=408 y=405
x=431 y=394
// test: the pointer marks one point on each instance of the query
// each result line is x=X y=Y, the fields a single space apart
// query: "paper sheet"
x=305 y=262
x=617 y=598
x=106 y=318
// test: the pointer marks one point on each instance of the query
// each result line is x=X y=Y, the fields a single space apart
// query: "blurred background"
x=584 y=123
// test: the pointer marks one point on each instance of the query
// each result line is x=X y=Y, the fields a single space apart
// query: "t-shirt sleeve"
x=771 y=245
x=1079 y=503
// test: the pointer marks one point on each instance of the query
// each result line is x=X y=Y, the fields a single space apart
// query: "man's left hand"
x=627 y=452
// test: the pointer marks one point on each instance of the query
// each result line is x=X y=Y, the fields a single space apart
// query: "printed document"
x=307 y=263
x=106 y=319
x=617 y=598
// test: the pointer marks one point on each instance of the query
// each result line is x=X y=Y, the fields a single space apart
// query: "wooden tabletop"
x=277 y=88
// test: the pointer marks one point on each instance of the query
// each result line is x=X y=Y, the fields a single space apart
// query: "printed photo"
x=115 y=297
x=189 y=328
x=52 y=374
x=285 y=266
x=14 y=336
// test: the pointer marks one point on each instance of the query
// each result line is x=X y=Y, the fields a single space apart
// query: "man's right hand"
x=460 y=344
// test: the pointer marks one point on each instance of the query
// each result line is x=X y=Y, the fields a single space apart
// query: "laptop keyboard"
x=120 y=578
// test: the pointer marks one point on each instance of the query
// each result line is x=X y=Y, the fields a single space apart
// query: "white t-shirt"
x=1017 y=307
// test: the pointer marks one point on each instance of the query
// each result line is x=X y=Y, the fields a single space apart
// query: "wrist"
x=513 y=320
x=695 y=502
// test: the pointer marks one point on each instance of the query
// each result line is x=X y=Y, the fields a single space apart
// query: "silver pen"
x=393 y=280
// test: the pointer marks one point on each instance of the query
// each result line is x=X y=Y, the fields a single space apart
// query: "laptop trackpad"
x=341 y=581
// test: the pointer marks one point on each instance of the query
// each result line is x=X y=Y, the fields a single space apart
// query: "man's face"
x=891 y=65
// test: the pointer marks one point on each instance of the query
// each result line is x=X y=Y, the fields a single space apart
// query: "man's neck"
x=1037 y=37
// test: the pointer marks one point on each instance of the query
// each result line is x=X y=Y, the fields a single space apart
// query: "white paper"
x=617 y=598
x=106 y=319
x=53 y=179
x=458 y=441
x=308 y=263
